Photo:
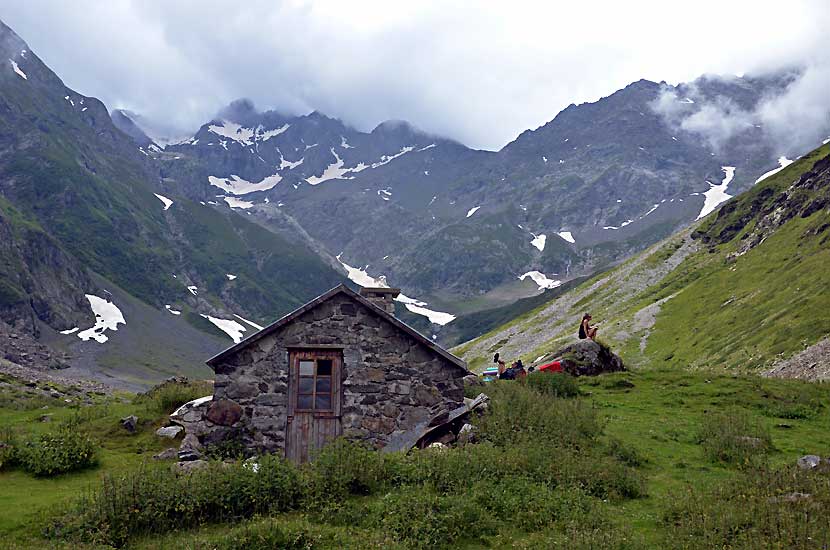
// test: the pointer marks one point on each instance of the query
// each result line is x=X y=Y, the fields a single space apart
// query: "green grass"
x=650 y=421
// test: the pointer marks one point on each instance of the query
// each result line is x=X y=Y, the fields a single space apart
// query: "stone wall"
x=390 y=381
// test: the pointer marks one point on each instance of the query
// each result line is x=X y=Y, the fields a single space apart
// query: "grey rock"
x=169 y=432
x=186 y=455
x=808 y=462
x=167 y=454
x=130 y=423
x=190 y=441
x=588 y=358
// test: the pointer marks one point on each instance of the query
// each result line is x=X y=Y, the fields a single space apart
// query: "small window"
x=315 y=384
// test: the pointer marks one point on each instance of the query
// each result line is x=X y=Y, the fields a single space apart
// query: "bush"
x=156 y=499
x=423 y=519
x=8 y=448
x=66 y=450
x=518 y=414
x=554 y=384
x=734 y=438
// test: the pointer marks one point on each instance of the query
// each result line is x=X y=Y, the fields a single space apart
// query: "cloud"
x=478 y=72
x=793 y=115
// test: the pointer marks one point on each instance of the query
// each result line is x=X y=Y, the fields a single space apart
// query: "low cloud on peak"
x=480 y=73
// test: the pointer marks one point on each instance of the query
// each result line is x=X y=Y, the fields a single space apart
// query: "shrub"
x=156 y=499
x=517 y=413
x=66 y=450
x=531 y=505
x=423 y=519
x=555 y=384
x=8 y=448
x=625 y=453
x=734 y=438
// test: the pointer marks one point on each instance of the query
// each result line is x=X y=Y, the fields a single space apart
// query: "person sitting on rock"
x=585 y=328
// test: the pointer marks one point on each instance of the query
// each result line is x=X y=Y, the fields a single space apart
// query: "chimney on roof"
x=382 y=297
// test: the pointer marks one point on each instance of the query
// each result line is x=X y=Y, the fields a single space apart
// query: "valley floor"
x=664 y=424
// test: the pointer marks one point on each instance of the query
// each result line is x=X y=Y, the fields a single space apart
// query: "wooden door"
x=313 y=402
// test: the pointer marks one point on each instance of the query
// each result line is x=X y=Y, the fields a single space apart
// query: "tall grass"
x=763 y=508
x=734 y=438
x=169 y=396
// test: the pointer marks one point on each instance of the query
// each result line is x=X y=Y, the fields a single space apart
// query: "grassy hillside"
x=742 y=290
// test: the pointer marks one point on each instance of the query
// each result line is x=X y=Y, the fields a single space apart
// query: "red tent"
x=555 y=366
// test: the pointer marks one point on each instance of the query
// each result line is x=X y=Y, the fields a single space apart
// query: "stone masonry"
x=391 y=379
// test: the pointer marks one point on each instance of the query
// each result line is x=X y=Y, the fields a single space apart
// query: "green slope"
x=741 y=291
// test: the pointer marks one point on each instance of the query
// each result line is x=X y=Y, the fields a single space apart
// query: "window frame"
x=298 y=356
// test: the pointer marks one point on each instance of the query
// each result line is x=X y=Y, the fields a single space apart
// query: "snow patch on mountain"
x=107 y=317
x=164 y=200
x=228 y=326
x=362 y=278
x=193 y=289
x=287 y=163
x=230 y=276
x=332 y=172
x=567 y=236
x=541 y=280
x=345 y=144
x=264 y=135
x=539 y=241
x=417 y=307
x=472 y=211
x=783 y=162
x=169 y=308
x=233 y=202
x=16 y=68
x=256 y=326
x=70 y=331
x=234 y=131
x=717 y=193
x=238 y=186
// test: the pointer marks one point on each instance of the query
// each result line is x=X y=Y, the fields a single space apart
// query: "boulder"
x=466 y=434
x=130 y=423
x=588 y=358
x=169 y=431
x=187 y=455
x=167 y=454
x=808 y=462
x=224 y=412
x=192 y=411
x=190 y=441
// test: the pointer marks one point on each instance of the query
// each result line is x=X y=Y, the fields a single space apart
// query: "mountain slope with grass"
x=742 y=290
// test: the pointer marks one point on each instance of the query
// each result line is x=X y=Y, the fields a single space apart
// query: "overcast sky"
x=480 y=72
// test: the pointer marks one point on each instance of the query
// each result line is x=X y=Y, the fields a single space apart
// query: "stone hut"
x=342 y=364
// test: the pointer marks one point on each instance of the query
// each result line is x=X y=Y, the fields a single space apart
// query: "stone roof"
x=340 y=289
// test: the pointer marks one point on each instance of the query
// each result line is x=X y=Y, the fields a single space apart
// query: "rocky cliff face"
x=598 y=183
